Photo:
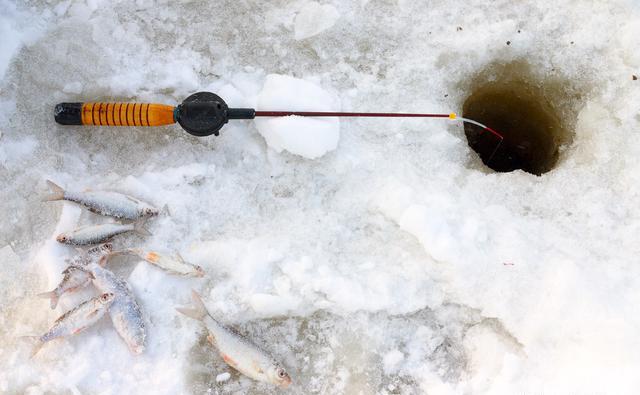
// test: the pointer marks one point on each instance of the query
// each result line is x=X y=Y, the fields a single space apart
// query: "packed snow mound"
x=314 y=18
x=304 y=136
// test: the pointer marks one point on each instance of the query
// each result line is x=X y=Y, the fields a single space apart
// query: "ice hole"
x=519 y=107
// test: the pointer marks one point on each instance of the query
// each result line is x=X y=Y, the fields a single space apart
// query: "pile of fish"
x=88 y=267
x=117 y=298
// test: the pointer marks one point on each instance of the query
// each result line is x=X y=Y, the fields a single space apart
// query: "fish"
x=109 y=203
x=74 y=278
x=125 y=312
x=94 y=234
x=173 y=265
x=237 y=351
x=84 y=257
x=75 y=320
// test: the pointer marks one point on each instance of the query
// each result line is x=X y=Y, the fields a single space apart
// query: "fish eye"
x=281 y=373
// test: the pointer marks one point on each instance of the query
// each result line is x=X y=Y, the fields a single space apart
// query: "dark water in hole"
x=520 y=112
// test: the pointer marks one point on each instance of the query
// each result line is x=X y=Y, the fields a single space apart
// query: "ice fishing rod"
x=204 y=114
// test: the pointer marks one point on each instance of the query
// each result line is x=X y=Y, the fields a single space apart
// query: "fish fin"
x=90 y=315
x=57 y=192
x=38 y=343
x=179 y=257
x=125 y=251
x=193 y=313
x=139 y=228
x=102 y=262
x=165 y=210
x=230 y=361
x=78 y=330
x=198 y=312
x=199 y=271
x=53 y=296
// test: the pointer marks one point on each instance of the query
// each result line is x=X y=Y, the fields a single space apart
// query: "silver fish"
x=174 y=265
x=125 y=312
x=94 y=234
x=237 y=351
x=76 y=320
x=75 y=277
x=84 y=257
x=113 y=204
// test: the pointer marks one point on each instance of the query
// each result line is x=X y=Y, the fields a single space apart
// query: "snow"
x=222 y=377
x=368 y=255
x=305 y=136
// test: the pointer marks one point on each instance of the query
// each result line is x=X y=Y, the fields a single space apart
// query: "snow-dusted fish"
x=74 y=278
x=94 y=234
x=113 y=204
x=84 y=257
x=174 y=265
x=125 y=312
x=76 y=320
x=237 y=351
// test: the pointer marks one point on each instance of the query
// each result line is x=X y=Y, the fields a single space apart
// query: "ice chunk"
x=222 y=377
x=315 y=18
x=304 y=136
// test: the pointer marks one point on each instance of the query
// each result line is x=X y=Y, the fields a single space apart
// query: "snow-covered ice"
x=369 y=255
x=314 y=18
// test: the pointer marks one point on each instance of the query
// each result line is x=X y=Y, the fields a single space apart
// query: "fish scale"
x=77 y=319
x=125 y=312
x=236 y=350
x=110 y=203
x=94 y=234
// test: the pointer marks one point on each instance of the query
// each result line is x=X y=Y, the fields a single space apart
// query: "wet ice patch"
x=304 y=136
x=314 y=18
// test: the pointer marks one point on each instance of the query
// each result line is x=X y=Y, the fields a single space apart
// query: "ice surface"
x=393 y=262
x=314 y=18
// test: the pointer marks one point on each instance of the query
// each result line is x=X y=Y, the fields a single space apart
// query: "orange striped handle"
x=126 y=114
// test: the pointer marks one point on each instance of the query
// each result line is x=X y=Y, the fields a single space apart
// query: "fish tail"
x=37 y=341
x=57 y=192
x=37 y=347
x=53 y=296
x=165 y=210
x=139 y=228
x=198 y=312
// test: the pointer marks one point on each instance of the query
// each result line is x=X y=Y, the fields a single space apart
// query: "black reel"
x=205 y=113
